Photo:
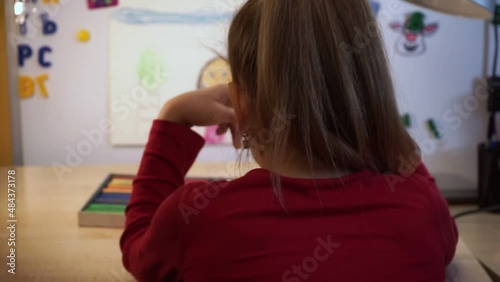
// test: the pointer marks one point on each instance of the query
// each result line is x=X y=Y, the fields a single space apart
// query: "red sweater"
x=362 y=227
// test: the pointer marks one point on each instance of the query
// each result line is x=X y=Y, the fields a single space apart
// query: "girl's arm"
x=152 y=240
x=445 y=222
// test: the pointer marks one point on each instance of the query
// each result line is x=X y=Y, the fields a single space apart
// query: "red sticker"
x=95 y=4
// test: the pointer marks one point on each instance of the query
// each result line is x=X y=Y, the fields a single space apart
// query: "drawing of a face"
x=414 y=31
x=214 y=73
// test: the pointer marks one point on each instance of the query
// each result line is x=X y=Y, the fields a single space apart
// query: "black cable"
x=486 y=209
x=495 y=58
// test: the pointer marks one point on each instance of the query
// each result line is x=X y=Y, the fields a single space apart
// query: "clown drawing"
x=414 y=31
x=215 y=72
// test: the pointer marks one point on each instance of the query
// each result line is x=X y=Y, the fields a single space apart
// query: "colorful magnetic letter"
x=23 y=27
x=40 y=81
x=407 y=120
x=41 y=56
x=23 y=52
x=375 y=6
x=83 y=35
x=434 y=129
x=26 y=87
x=49 y=27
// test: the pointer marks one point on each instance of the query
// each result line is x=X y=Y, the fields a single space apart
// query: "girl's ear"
x=238 y=98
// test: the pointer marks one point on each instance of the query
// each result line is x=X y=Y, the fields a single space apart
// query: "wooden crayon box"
x=106 y=207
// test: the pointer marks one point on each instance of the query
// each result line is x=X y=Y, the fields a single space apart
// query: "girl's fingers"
x=221 y=94
x=204 y=107
x=235 y=133
x=222 y=129
x=224 y=115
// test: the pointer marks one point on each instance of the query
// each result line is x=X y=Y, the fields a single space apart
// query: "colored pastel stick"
x=112 y=198
x=111 y=201
x=116 y=191
x=407 y=120
x=124 y=182
x=124 y=196
x=107 y=208
x=124 y=177
x=119 y=187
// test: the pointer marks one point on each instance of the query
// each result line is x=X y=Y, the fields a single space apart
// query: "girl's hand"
x=209 y=106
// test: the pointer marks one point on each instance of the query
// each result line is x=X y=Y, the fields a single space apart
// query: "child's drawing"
x=215 y=72
x=414 y=31
x=163 y=50
x=151 y=76
x=146 y=16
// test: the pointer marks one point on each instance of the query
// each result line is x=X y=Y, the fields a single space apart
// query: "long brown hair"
x=305 y=58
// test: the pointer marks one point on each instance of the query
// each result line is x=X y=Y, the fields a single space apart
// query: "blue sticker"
x=23 y=52
x=375 y=6
x=49 y=27
x=23 y=27
x=41 y=56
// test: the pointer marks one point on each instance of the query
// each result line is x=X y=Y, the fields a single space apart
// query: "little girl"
x=341 y=194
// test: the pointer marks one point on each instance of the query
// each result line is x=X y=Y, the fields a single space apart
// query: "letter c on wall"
x=41 y=56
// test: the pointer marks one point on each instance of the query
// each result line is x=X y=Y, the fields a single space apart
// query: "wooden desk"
x=51 y=247
x=481 y=233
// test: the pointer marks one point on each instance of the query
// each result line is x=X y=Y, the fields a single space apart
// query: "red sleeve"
x=449 y=229
x=446 y=223
x=170 y=152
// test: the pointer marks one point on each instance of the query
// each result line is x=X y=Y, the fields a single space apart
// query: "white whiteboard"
x=159 y=52
x=427 y=86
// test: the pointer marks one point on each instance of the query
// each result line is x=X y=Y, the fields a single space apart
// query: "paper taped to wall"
x=159 y=53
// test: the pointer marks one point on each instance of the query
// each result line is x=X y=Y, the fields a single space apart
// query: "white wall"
x=427 y=87
x=431 y=85
x=78 y=89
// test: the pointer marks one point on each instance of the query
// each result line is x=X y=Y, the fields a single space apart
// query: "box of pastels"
x=106 y=208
